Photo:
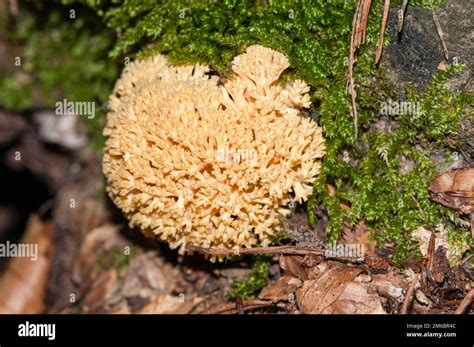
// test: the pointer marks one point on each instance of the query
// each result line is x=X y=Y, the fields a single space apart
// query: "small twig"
x=358 y=25
x=358 y=33
x=423 y=273
x=364 y=17
x=257 y=250
x=409 y=296
x=355 y=40
x=401 y=16
x=465 y=303
x=378 y=54
x=466 y=259
x=471 y=217
x=422 y=212
x=45 y=208
x=439 y=30
x=233 y=307
x=431 y=251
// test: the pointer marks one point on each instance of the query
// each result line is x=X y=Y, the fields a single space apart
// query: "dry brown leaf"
x=423 y=236
x=423 y=299
x=442 y=65
x=391 y=284
x=234 y=273
x=316 y=295
x=359 y=235
x=112 y=277
x=148 y=275
x=377 y=264
x=355 y=299
x=455 y=189
x=102 y=287
x=167 y=304
x=99 y=241
x=282 y=289
x=292 y=265
x=440 y=268
x=23 y=284
x=316 y=271
x=122 y=310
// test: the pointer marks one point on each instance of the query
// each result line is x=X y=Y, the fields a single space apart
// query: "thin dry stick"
x=439 y=30
x=409 y=295
x=422 y=212
x=355 y=37
x=359 y=28
x=401 y=16
x=378 y=54
x=431 y=251
x=466 y=259
x=472 y=224
x=466 y=302
x=257 y=250
x=358 y=25
x=233 y=307
x=365 y=16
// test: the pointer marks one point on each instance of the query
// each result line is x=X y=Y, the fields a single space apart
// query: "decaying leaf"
x=115 y=276
x=234 y=273
x=391 y=284
x=96 y=245
x=168 y=304
x=377 y=264
x=423 y=236
x=455 y=189
x=282 y=289
x=102 y=287
x=359 y=235
x=318 y=294
x=355 y=299
x=23 y=284
x=149 y=275
x=440 y=266
x=454 y=184
x=293 y=265
x=423 y=299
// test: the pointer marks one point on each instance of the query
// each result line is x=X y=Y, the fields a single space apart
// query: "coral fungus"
x=196 y=161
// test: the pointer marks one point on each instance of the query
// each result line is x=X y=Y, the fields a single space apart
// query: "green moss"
x=419 y=3
x=14 y=94
x=64 y=58
x=78 y=309
x=257 y=279
x=117 y=259
x=459 y=240
x=394 y=203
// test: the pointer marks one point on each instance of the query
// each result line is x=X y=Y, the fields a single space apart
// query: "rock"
x=414 y=56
